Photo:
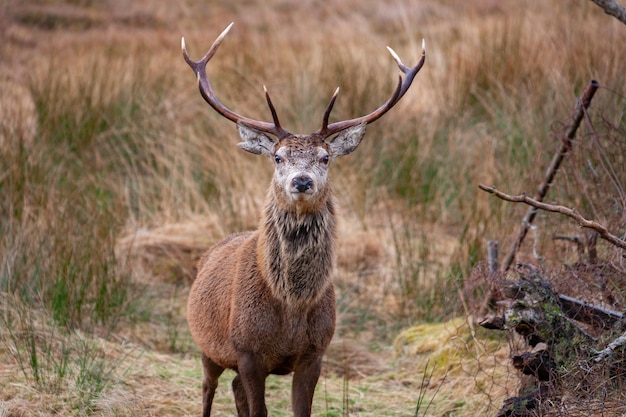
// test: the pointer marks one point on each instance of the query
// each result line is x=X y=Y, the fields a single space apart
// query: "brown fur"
x=253 y=289
x=263 y=301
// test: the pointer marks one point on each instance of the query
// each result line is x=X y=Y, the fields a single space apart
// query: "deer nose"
x=302 y=184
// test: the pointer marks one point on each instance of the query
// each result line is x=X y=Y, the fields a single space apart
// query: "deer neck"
x=297 y=249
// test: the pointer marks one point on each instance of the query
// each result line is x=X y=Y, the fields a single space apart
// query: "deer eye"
x=324 y=159
x=278 y=159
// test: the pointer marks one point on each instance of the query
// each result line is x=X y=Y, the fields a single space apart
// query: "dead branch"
x=608 y=351
x=566 y=146
x=612 y=8
x=492 y=323
x=536 y=204
x=594 y=315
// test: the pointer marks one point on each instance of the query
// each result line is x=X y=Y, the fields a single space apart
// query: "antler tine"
x=402 y=87
x=195 y=66
x=329 y=108
x=272 y=109
x=199 y=68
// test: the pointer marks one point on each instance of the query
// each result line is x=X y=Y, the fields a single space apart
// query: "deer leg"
x=251 y=375
x=212 y=372
x=240 y=398
x=304 y=381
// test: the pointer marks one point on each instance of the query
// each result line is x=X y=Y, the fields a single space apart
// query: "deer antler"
x=199 y=68
x=403 y=85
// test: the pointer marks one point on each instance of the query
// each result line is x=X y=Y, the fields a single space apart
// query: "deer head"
x=301 y=161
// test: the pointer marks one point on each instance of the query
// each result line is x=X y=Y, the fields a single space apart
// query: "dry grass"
x=115 y=175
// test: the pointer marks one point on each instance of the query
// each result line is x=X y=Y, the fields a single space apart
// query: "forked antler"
x=403 y=85
x=199 y=68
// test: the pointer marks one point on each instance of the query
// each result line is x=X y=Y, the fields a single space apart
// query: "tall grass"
x=63 y=208
x=508 y=87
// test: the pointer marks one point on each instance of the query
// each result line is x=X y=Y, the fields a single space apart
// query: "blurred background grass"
x=115 y=175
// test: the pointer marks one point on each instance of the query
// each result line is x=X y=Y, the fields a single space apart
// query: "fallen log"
x=561 y=356
x=535 y=313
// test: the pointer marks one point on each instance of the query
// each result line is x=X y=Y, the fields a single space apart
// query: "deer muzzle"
x=302 y=184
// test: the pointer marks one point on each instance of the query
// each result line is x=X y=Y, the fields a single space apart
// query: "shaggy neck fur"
x=297 y=246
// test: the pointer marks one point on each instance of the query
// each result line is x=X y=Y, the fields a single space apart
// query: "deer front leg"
x=212 y=372
x=241 y=401
x=304 y=381
x=251 y=377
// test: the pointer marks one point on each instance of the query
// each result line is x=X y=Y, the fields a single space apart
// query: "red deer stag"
x=263 y=301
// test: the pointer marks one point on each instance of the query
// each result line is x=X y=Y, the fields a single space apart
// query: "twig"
x=523 y=198
x=564 y=149
x=612 y=8
x=608 y=352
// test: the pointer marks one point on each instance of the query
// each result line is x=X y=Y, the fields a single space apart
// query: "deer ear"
x=347 y=141
x=254 y=141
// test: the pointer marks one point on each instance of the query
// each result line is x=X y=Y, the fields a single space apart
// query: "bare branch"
x=588 y=313
x=612 y=8
x=523 y=198
x=567 y=141
x=610 y=349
